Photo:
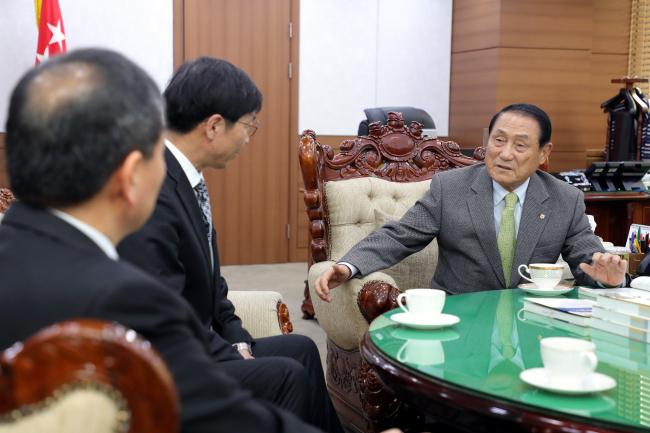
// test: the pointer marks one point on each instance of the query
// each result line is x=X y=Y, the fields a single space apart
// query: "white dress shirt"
x=499 y=195
x=99 y=238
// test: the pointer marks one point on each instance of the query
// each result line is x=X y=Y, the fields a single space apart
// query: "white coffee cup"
x=423 y=303
x=421 y=352
x=568 y=361
x=544 y=275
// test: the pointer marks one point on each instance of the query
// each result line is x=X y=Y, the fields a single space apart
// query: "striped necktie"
x=507 y=235
x=202 y=196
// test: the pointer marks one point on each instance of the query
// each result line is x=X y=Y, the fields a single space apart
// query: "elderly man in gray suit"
x=490 y=218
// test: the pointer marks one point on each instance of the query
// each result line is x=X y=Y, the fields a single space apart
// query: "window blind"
x=639 y=58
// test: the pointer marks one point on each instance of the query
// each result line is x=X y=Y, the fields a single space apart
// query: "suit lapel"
x=188 y=199
x=534 y=217
x=481 y=210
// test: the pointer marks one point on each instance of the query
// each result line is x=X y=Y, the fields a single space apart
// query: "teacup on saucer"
x=425 y=322
x=560 y=289
x=421 y=352
x=594 y=382
x=404 y=333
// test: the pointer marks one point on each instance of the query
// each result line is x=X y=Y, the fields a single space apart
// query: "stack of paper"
x=575 y=311
x=621 y=351
x=550 y=322
x=625 y=313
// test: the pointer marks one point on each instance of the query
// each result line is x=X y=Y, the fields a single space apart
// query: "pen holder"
x=633 y=262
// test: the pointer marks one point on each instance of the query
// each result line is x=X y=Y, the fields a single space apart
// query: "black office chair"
x=409 y=114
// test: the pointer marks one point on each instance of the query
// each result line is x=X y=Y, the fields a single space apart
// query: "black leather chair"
x=409 y=114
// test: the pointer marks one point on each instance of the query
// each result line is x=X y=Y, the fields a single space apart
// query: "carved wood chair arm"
x=286 y=327
x=377 y=297
x=262 y=312
x=6 y=197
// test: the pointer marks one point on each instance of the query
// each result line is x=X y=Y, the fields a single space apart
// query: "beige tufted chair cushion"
x=258 y=310
x=356 y=207
x=351 y=206
x=78 y=411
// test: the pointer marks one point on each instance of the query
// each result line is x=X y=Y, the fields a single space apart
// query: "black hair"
x=72 y=121
x=533 y=112
x=208 y=86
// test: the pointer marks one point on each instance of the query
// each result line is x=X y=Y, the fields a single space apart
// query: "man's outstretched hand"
x=330 y=279
x=608 y=269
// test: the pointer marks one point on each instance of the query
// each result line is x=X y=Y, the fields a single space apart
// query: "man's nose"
x=507 y=152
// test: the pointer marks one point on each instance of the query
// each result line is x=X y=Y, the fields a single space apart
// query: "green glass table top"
x=495 y=341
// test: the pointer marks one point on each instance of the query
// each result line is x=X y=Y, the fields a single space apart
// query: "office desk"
x=615 y=212
x=468 y=378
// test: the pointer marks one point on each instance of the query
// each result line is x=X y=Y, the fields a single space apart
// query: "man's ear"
x=546 y=152
x=214 y=125
x=128 y=177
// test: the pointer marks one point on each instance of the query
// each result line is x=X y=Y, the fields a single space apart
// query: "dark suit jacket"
x=52 y=272
x=173 y=246
x=458 y=210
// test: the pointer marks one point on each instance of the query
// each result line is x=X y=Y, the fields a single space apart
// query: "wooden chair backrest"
x=83 y=354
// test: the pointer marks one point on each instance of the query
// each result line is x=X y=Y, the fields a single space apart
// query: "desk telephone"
x=609 y=176
x=575 y=178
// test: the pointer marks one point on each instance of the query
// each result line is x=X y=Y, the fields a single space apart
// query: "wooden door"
x=250 y=198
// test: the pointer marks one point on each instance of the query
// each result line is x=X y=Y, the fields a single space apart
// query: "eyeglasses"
x=251 y=128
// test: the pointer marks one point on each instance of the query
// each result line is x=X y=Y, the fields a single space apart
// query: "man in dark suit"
x=85 y=158
x=211 y=113
x=490 y=218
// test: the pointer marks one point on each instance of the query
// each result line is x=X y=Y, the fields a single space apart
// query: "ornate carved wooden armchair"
x=347 y=195
x=86 y=376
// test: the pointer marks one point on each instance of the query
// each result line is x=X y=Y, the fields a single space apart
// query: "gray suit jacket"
x=458 y=210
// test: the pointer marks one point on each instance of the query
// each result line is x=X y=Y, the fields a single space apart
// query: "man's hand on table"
x=331 y=278
x=608 y=269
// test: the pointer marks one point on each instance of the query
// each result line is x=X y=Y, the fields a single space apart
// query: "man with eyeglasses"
x=211 y=108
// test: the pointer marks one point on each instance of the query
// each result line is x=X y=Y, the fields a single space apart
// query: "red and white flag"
x=51 y=33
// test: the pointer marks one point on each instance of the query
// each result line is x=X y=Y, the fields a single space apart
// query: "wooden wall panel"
x=251 y=196
x=473 y=96
x=475 y=25
x=565 y=160
x=553 y=80
x=611 y=23
x=546 y=24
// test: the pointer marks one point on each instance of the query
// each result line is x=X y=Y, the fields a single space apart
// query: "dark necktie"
x=201 y=191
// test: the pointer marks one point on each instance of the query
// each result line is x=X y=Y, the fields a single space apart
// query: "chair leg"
x=307 y=308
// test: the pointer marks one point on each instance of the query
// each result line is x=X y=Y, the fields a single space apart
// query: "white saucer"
x=432 y=322
x=560 y=289
x=595 y=382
